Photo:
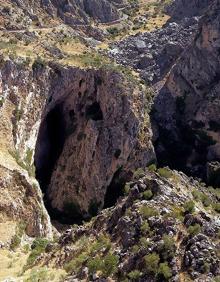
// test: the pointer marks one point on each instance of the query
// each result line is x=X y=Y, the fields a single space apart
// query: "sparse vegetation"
x=40 y=275
x=167 y=249
x=151 y=263
x=26 y=163
x=164 y=271
x=147 y=195
x=152 y=167
x=189 y=207
x=147 y=212
x=194 y=229
x=107 y=265
x=216 y=207
x=16 y=239
x=134 y=275
x=165 y=172
x=37 y=248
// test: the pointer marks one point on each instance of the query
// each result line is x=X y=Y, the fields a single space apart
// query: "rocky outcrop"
x=21 y=203
x=186 y=110
x=84 y=129
x=150 y=231
x=21 y=198
x=152 y=54
x=178 y=9
x=93 y=132
x=73 y=12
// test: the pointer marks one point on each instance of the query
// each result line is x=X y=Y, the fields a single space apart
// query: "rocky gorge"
x=109 y=158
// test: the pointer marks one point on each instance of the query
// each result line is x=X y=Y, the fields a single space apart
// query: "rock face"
x=90 y=136
x=21 y=199
x=73 y=12
x=152 y=54
x=183 y=8
x=21 y=203
x=84 y=129
x=186 y=109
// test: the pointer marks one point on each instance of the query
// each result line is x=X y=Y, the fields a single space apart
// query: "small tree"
x=164 y=271
x=194 y=229
x=151 y=263
x=189 y=207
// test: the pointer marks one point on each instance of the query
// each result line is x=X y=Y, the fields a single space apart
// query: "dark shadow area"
x=94 y=112
x=115 y=189
x=49 y=146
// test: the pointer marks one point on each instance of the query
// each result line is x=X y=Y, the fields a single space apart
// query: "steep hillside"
x=186 y=109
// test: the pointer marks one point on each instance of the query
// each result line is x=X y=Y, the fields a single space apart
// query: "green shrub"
x=138 y=173
x=194 y=229
x=167 y=249
x=177 y=212
x=189 y=207
x=94 y=264
x=110 y=265
x=196 y=195
x=76 y=263
x=135 y=249
x=151 y=263
x=15 y=242
x=147 y=195
x=164 y=271
x=38 y=247
x=145 y=228
x=16 y=239
x=144 y=243
x=216 y=207
x=205 y=267
x=134 y=275
x=107 y=265
x=148 y=212
x=205 y=200
x=152 y=167
x=103 y=243
x=127 y=189
x=165 y=172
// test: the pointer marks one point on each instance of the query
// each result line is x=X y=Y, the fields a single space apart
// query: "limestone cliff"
x=186 y=111
x=21 y=198
x=84 y=130
x=93 y=131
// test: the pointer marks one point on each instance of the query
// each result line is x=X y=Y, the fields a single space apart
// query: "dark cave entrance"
x=51 y=138
x=115 y=189
x=49 y=146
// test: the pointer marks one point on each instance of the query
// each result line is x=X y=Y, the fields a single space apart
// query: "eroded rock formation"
x=90 y=131
x=88 y=127
x=21 y=198
x=186 y=110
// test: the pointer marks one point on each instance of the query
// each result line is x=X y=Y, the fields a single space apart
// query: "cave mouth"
x=49 y=145
x=115 y=189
